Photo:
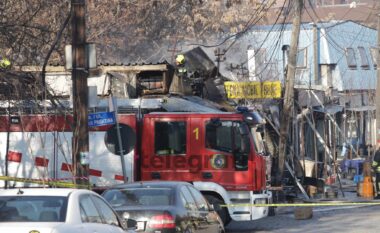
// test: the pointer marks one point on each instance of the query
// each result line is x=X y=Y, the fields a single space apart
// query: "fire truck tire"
x=222 y=211
x=189 y=230
x=271 y=211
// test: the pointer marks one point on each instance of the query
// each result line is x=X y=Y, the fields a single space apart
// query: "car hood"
x=20 y=227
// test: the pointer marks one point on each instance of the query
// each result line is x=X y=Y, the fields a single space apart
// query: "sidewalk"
x=349 y=189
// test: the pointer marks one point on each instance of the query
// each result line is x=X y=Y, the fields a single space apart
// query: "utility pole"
x=289 y=90
x=174 y=50
x=80 y=143
x=219 y=58
x=378 y=85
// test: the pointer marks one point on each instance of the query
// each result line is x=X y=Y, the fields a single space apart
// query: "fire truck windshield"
x=231 y=137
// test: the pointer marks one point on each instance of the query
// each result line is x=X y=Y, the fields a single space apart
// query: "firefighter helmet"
x=180 y=59
x=5 y=63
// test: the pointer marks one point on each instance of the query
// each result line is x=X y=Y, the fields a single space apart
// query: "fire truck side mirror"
x=241 y=153
x=241 y=161
x=253 y=118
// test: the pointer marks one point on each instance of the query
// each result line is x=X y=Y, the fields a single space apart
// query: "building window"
x=374 y=52
x=350 y=56
x=149 y=82
x=261 y=56
x=363 y=58
x=257 y=61
x=302 y=58
x=170 y=138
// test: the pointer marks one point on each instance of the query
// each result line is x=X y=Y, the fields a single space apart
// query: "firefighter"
x=376 y=168
x=180 y=62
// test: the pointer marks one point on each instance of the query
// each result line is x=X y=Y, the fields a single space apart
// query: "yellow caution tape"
x=58 y=184
x=304 y=204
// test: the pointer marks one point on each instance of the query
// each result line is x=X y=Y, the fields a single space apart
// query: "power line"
x=274 y=45
x=248 y=25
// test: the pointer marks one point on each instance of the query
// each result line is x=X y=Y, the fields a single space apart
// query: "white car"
x=53 y=210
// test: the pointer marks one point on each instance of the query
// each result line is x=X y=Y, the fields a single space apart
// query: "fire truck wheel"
x=188 y=230
x=222 y=211
x=271 y=211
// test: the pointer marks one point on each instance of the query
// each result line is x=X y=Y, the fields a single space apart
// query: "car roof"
x=155 y=184
x=39 y=191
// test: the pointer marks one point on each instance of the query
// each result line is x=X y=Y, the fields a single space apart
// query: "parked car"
x=40 y=210
x=164 y=206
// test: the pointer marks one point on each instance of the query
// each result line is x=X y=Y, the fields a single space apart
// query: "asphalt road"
x=345 y=219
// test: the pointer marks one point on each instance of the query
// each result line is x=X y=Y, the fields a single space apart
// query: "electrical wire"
x=274 y=45
x=247 y=26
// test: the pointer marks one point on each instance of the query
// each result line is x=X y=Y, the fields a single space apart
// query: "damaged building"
x=334 y=87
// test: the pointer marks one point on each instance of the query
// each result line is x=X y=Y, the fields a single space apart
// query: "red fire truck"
x=213 y=151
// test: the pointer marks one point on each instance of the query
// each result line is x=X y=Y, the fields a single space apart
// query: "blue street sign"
x=101 y=118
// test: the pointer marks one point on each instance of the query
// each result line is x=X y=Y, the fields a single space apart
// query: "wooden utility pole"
x=80 y=143
x=378 y=86
x=174 y=50
x=289 y=90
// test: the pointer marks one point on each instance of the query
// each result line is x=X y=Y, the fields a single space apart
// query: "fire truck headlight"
x=126 y=215
x=261 y=201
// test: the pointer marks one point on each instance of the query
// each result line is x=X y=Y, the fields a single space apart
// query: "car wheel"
x=222 y=211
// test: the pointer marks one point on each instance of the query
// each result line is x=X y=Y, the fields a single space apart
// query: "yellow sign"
x=253 y=90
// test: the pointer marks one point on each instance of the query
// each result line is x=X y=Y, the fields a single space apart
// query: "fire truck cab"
x=215 y=152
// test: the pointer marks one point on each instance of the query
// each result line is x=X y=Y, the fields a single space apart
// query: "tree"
x=27 y=28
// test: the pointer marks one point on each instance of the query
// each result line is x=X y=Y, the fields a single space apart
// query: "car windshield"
x=33 y=208
x=140 y=196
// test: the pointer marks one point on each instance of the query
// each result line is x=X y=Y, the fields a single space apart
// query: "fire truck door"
x=169 y=151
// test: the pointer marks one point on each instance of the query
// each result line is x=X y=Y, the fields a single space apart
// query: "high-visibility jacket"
x=182 y=70
x=376 y=162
